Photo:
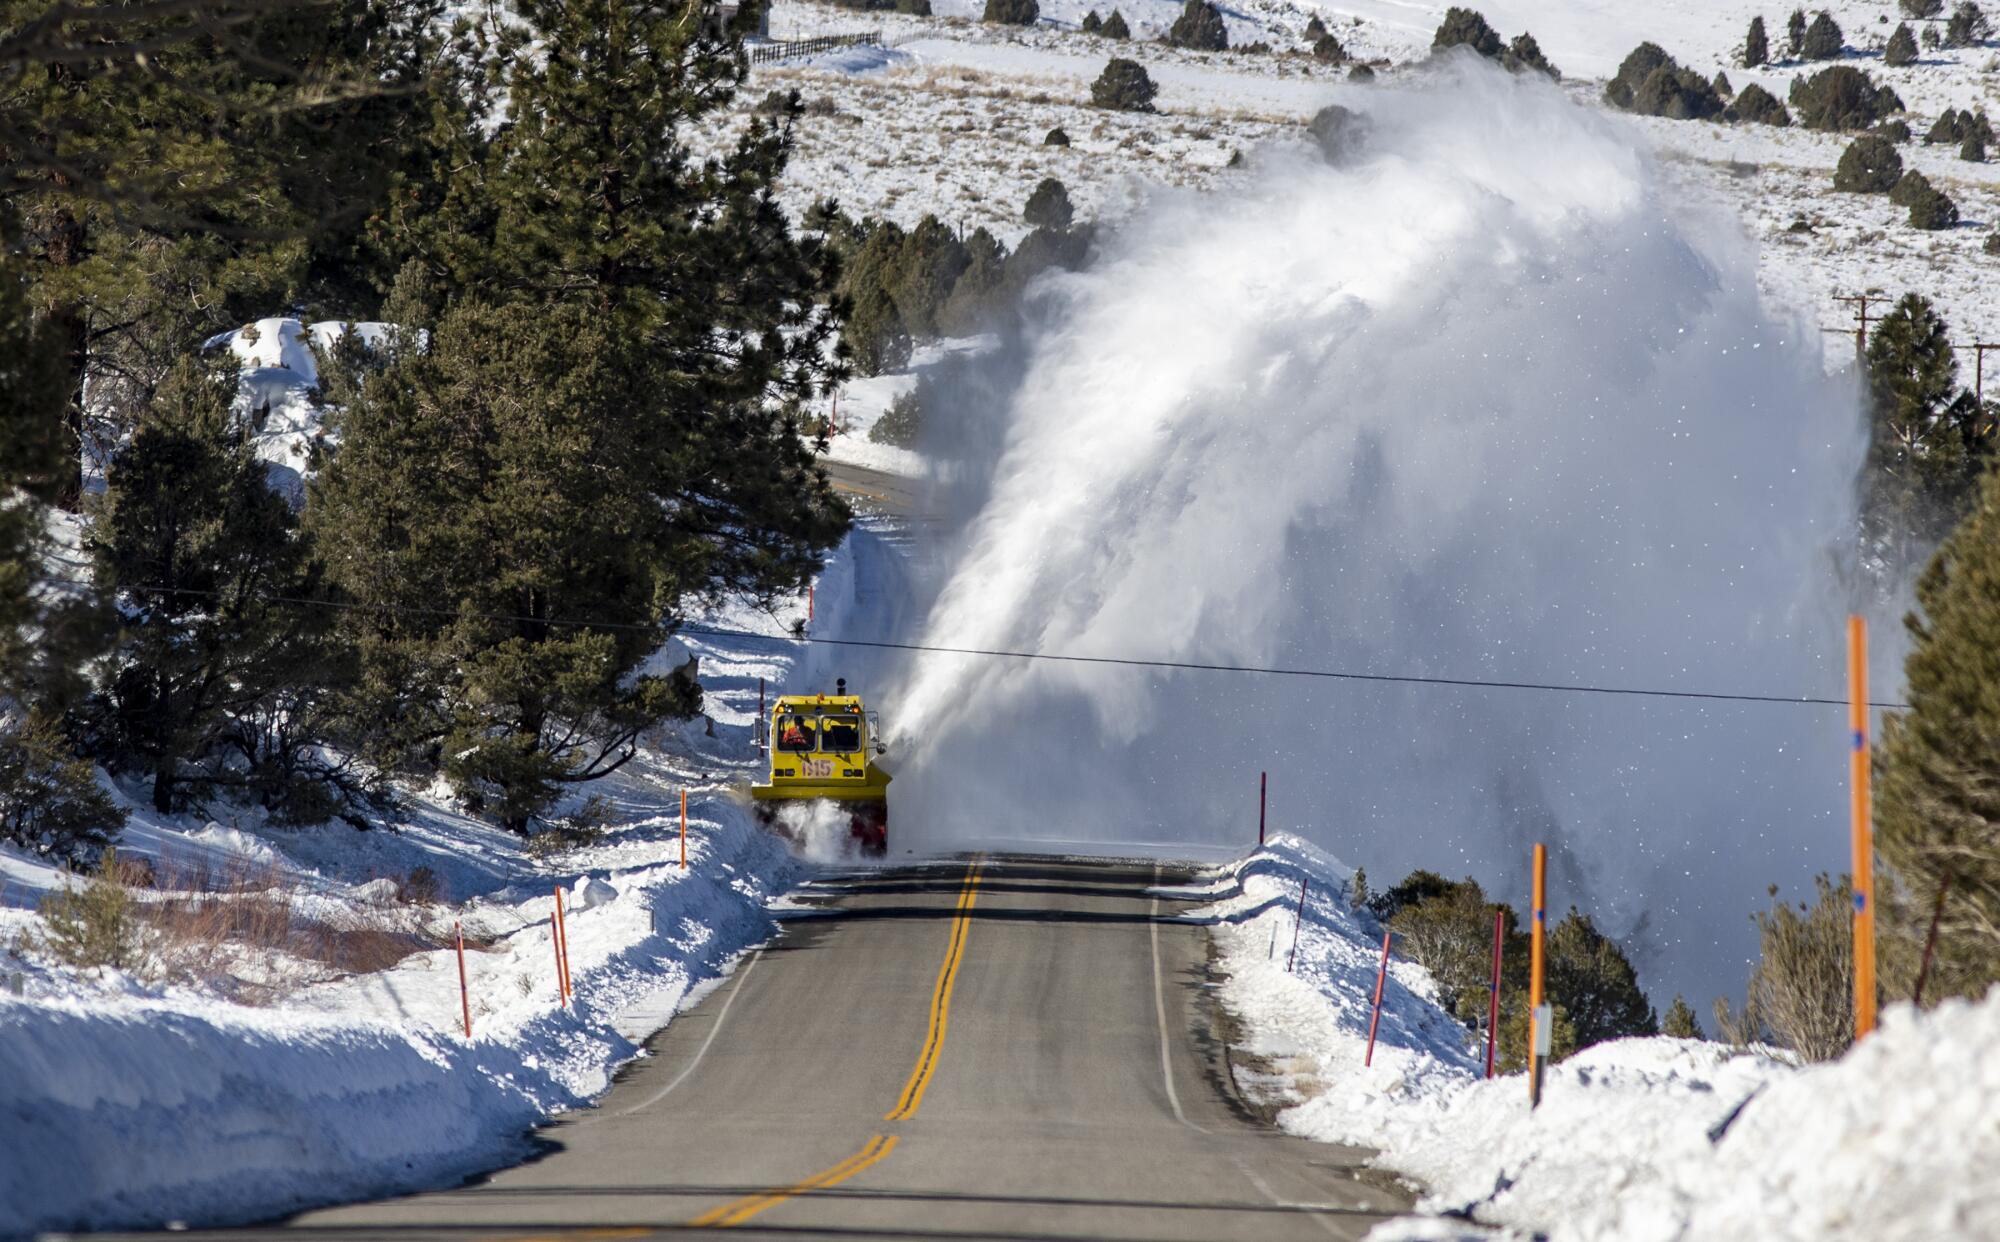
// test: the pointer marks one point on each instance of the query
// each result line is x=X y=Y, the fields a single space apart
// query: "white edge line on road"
x=701 y=1052
x=1160 y=1013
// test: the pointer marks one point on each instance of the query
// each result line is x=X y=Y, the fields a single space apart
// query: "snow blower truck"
x=824 y=746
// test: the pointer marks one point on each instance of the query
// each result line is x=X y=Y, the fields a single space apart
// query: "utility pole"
x=1861 y=301
x=1979 y=349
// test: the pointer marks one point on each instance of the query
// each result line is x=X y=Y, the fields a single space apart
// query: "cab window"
x=795 y=733
x=840 y=735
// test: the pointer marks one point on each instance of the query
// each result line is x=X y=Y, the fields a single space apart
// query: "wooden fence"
x=771 y=53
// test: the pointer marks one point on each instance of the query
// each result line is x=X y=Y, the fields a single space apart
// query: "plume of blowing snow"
x=1487 y=400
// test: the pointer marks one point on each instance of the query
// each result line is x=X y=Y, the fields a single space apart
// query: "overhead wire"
x=714 y=631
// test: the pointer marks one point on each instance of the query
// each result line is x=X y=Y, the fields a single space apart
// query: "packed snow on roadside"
x=1635 y=1139
x=229 y=1094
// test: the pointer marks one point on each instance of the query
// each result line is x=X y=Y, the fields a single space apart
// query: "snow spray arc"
x=1489 y=399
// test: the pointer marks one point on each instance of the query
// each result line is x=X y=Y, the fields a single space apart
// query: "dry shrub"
x=421 y=887
x=1802 y=987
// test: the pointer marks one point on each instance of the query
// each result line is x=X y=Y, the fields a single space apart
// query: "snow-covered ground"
x=950 y=118
x=1635 y=1139
x=272 y=1077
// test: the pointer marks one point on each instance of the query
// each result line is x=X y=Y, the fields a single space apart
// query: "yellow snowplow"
x=824 y=746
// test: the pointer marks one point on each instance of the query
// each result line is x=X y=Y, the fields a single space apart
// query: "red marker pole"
x=812 y=590
x=1493 y=1002
x=1381 y=976
x=684 y=830
x=464 y=994
x=1263 y=787
x=1297 y=918
x=562 y=949
x=555 y=942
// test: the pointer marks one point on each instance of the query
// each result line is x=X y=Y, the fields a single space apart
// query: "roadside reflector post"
x=1863 y=827
x=1540 y=1037
x=1493 y=998
x=464 y=993
x=562 y=950
x=1375 y=1018
x=757 y=732
x=812 y=590
x=1263 y=786
x=684 y=830
x=1297 y=917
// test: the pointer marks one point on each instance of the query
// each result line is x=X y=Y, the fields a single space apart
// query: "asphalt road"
x=984 y=1049
x=878 y=489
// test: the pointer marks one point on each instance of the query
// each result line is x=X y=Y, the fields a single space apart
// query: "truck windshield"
x=840 y=735
x=795 y=733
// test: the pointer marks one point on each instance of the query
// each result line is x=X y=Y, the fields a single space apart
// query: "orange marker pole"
x=555 y=942
x=464 y=995
x=812 y=590
x=562 y=949
x=684 y=830
x=1536 y=1017
x=1863 y=825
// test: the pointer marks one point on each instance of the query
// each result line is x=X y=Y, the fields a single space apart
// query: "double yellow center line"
x=878 y=1146
x=920 y=1077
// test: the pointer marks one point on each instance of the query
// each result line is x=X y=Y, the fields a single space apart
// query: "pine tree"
x=1842 y=98
x=1756 y=45
x=604 y=429
x=50 y=801
x=930 y=263
x=1049 y=206
x=1115 y=27
x=1926 y=442
x=1315 y=30
x=1967 y=27
x=1012 y=12
x=1902 y=48
x=1466 y=28
x=1795 y=32
x=1722 y=84
x=1524 y=54
x=1870 y=165
x=1823 y=39
x=206 y=561
x=1199 y=27
x=1092 y=23
x=1937 y=814
x=1595 y=983
x=974 y=304
x=1124 y=86
x=1680 y=1022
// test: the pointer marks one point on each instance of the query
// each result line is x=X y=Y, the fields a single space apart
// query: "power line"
x=1411 y=679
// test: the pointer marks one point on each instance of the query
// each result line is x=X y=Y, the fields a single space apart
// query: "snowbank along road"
x=996 y=1047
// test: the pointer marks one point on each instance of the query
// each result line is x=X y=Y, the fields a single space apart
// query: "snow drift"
x=1483 y=401
x=1637 y=1138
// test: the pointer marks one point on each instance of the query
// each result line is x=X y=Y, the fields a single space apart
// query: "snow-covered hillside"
x=950 y=119
x=1638 y=1138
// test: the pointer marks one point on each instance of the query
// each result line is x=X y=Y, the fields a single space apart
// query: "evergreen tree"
x=1758 y=105
x=975 y=298
x=1921 y=9
x=207 y=562
x=1802 y=986
x=167 y=181
x=1842 y=98
x=1012 y=12
x=50 y=801
x=1823 y=39
x=1092 y=23
x=1328 y=49
x=1870 y=165
x=929 y=265
x=1199 y=27
x=1722 y=84
x=1680 y=1022
x=1595 y=983
x=1973 y=149
x=1756 y=45
x=875 y=335
x=1902 y=49
x=1938 y=812
x=1968 y=26
x=1795 y=32
x=1048 y=207
x=1115 y=27
x=1124 y=86
x=1466 y=28
x=1315 y=30
x=605 y=426
x=1525 y=54
x=1926 y=443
